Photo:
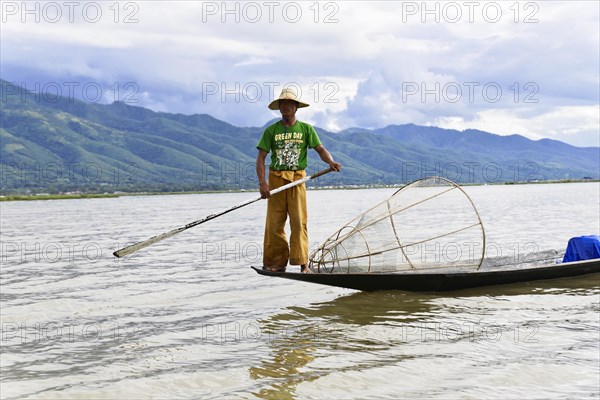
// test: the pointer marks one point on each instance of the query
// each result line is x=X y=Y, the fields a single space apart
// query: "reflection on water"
x=301 y=334
x=292 y=349
x=188 y=318
x=336 y=337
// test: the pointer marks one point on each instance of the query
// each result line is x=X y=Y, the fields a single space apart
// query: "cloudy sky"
x=505 y=67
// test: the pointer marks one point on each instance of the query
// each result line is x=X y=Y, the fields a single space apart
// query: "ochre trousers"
x=290 y=202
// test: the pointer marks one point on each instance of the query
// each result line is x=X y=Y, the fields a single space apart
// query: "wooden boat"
x=442 y=279
x=389 y=246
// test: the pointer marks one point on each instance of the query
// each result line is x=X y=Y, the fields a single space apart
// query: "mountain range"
x=57 y=144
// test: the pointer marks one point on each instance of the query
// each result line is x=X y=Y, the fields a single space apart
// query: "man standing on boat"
x=288 y=141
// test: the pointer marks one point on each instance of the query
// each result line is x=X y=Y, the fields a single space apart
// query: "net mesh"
x=429 y=223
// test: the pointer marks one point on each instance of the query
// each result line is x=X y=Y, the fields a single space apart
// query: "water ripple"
x=187 y=318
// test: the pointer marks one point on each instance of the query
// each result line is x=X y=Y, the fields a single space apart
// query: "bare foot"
x=304 y=269
x=274 y=269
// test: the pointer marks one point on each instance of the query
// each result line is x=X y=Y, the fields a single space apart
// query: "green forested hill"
x=60 y=144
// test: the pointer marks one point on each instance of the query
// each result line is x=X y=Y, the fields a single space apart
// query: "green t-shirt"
x=288 y=145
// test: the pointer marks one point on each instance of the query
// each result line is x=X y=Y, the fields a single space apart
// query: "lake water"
x=188 y=318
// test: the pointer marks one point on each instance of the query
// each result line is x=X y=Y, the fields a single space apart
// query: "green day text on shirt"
x=288 y=145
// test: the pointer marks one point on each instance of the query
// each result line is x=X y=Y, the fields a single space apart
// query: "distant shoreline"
x=68 y=196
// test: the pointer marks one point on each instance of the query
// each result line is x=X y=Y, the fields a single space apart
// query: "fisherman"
x=287 y=140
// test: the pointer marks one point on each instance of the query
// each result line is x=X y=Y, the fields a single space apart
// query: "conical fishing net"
x=429 y=223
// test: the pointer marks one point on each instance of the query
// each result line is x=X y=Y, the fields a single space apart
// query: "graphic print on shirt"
x=289 y=154
x=288 y=150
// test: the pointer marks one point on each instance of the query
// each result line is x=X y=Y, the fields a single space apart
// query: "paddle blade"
x=125 y=251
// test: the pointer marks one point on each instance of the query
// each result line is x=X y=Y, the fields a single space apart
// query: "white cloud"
x=577 y=125
x=372 y=54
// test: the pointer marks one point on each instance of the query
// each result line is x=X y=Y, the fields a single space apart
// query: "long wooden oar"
x=155 y=239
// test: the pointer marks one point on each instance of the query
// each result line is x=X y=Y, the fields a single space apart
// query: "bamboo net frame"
x=389 y=238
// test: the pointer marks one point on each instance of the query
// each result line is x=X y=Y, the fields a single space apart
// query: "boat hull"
x=439 y=281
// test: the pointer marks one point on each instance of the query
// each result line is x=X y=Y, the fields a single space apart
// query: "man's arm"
x=260 y=172
x=326 y=157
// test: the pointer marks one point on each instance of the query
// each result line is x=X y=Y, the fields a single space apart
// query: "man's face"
x=287 y=108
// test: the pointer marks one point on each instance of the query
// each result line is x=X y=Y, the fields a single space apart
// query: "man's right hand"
x=265 y=192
